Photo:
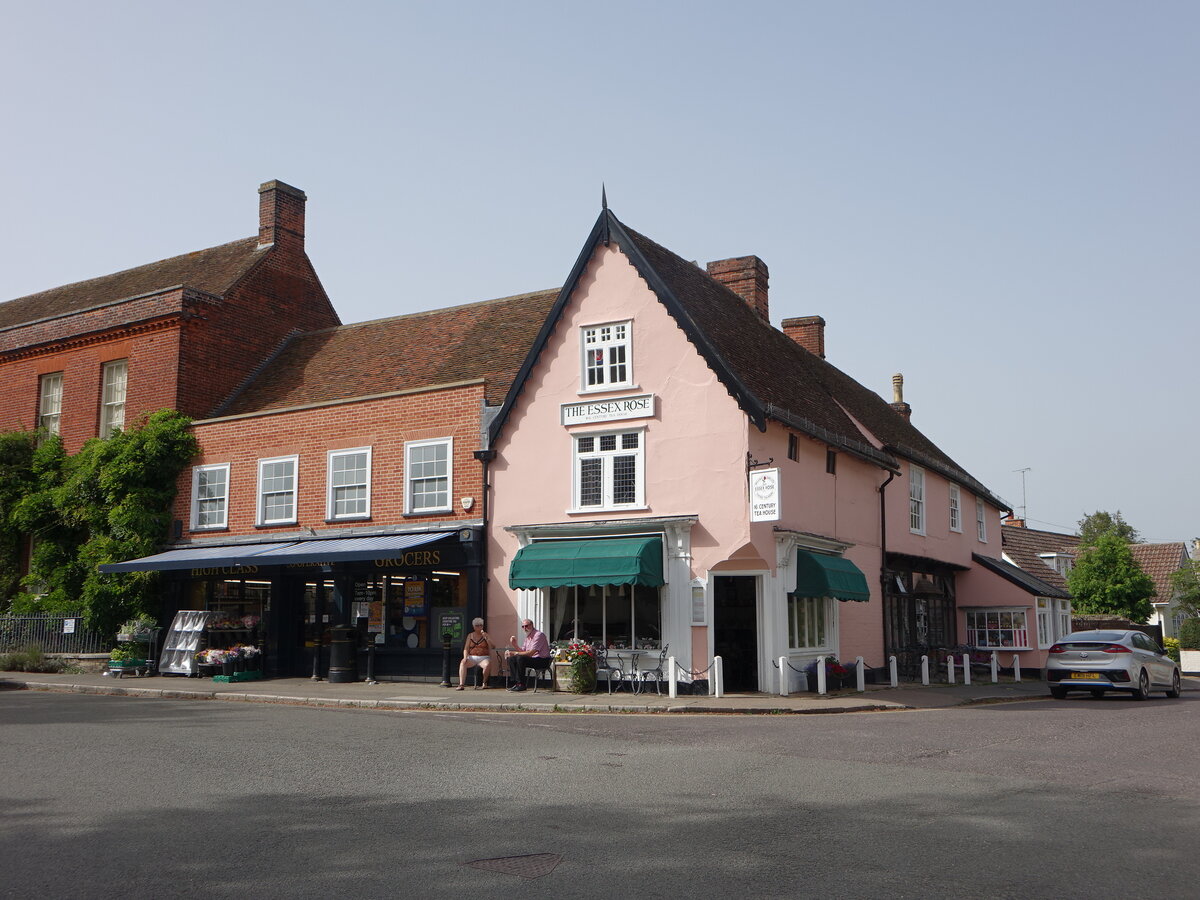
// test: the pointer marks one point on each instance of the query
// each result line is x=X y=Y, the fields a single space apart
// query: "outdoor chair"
x=658 y=672
x=608 y=668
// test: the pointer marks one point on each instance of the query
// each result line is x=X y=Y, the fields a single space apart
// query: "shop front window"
x=809 y=622
x=997 y=628
x=619 y=617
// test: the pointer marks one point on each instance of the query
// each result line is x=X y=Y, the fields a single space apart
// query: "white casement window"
x=1045 y=622
x=617 y=616
x=277 y=490
x=1062 y=563
x=997 y=629
x=916 y=499
x=112 y=398
x=1063 y=612
x=810 y=622
x=428 y=486
x=607 y=356
x=981 y=520
x=609 y=470
x=349 y=484
x=955 y=508
x=50 y=402
x=210 y=496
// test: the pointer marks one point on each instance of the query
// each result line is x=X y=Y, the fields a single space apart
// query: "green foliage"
x=1185 y=583
x=1171 y=645
x=1093 y=525
x=110 y=501
x=1189 y=634
x=30 y=659
x=1107 y=580
x=16 y=480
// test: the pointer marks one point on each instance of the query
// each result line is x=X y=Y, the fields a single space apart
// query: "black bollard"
x=446 y=638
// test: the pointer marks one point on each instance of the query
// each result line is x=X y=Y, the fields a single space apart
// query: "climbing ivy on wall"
x=108 y=502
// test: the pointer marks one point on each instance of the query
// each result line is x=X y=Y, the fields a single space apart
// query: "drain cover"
x=534 y=865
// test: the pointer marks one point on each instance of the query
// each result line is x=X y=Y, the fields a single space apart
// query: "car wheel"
x=1176 y=687
x=1058 y=693
x=1143 y=688
x=1097 y=693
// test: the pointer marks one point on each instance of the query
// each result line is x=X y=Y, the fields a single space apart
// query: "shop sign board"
x=588 y=412
x=764 y=495
x=450 y=621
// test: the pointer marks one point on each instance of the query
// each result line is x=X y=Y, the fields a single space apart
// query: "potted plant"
x=837 y=675
x=127 y=656
x=575 y=667
x=138 y=628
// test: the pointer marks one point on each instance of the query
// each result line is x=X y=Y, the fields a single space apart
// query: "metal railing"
x=53 y=632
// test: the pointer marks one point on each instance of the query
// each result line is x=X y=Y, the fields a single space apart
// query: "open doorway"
x=735 y=629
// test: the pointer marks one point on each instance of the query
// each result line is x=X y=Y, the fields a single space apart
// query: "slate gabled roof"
x=486 y=340
x=1022 y=579
x=213 y=271
x=768 y=373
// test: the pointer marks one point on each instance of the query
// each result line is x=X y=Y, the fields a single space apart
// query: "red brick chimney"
x=1013 y=523
x=808 y=332
x=281 y=215
x=898 y=403
x=747 y=277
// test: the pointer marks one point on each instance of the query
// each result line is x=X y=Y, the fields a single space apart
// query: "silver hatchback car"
x=1099 y=661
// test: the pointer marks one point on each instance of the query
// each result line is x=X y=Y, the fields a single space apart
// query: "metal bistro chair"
x=536 y=674
x=657 y=672
x=608 y=668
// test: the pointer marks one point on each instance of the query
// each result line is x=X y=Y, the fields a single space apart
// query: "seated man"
x=534 y=653
x=477 y=651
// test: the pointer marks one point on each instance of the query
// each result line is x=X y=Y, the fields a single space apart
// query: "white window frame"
x=50 y=390
x=916 y=499
x=331 y=498
x=607 y=458
x=260 y=513
x=1045 y=622
x=112 y=407
x=810 y=608
x=997 y=611
x=610 y=339
x=197 y=471
x=409 y=508
x=955 y=509
x=980 y=520
x=1062 y=614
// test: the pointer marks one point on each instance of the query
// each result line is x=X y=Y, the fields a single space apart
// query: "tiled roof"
x=1022 y=579
x=1159 y=561
x=786 y=378
x=486 y=340
x=214 y=271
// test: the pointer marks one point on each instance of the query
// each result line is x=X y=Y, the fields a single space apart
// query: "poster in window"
x=414 y=598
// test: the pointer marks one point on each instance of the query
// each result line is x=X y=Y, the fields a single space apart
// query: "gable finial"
x=603 y=197
x=604 y=212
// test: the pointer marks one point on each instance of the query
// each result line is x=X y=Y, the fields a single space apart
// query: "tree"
x=1100 y=522
x=16 y=480
x=1107 y=579
x=1185 y=583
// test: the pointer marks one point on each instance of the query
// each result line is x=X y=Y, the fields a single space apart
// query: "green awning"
x=818 y=575
x=584 y=563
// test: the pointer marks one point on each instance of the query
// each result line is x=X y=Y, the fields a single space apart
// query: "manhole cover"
x=534 y=865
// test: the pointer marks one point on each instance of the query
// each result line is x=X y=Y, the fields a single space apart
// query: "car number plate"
x=1085 y=676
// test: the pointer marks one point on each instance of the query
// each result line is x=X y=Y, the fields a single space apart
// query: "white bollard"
x=893 y=671
x=995 y=667
x=673 y=681
x=925 y=670
x=1016 y=667
x=821 y=675
x=717 y=686
x=966 y=668
x=861 y=668
x=783 y=676
x=950 y=667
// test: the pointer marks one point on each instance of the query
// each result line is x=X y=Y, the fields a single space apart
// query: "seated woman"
x=477 y=651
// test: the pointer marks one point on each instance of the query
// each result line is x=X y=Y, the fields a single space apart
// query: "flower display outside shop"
x=836 y=674
x=579 y=661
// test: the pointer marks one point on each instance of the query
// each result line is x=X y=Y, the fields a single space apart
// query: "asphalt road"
x=122 y=797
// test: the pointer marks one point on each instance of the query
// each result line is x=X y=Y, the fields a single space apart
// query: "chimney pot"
x=747 y=277
x=280 y=214
x=898 y=403
x=808 y=332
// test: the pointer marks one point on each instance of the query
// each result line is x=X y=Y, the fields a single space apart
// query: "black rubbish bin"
x=343 y=654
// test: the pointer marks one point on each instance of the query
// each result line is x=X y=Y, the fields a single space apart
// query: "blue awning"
x=320 y=550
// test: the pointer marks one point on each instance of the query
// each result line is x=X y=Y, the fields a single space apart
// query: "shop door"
x=735 y=629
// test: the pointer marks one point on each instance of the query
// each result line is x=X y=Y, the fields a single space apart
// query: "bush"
x=1189 y=634
x=30 y=659
x=1172 y=647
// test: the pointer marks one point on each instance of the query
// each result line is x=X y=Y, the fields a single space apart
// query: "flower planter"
x=575 y=681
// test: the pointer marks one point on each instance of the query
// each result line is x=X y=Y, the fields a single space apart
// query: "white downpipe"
x=821 y=675
x=893 y=671
x=673 y=681
x=950 y=667
x=925 y=670
x=1016 y=667
x=717 y=685
x=861 y=672
x=995 y=667
x=783 y=676
x=966 y=668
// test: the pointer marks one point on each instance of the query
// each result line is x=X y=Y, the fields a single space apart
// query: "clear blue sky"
x=997 y=199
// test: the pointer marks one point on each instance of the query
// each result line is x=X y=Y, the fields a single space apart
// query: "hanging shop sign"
x=639 y=407
x=764 y=495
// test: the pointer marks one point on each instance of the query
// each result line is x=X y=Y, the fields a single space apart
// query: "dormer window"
x=606 y=356
x=1062 y=563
